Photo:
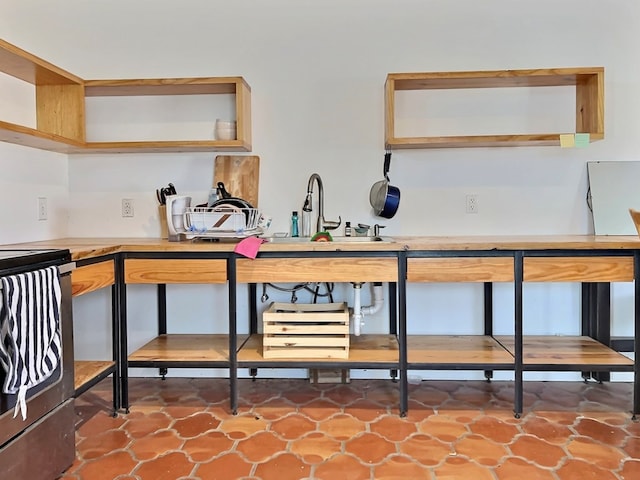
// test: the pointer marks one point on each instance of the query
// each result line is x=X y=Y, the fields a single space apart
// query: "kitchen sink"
x=335 y=239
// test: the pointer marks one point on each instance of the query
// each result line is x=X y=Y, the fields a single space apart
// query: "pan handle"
x=387 y=164
x=222 y=192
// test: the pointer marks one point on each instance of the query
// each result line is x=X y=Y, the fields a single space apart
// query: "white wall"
x=317 y=70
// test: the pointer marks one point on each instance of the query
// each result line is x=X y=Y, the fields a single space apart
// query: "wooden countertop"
x=84 y=248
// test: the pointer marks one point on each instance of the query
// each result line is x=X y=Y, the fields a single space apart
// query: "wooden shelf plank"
x=456 y=350
x=95 y=276
x=565 y=350
x=578 y=269
x=185 y=348
x=164 y=86
x=29 y=137
x=468 y=269
x=348 y=269
x=27 y=67
x=461 y=141
x=373 y=349
x=87 y=370
x=157 y=270
x=170 y=146
x=546 y=77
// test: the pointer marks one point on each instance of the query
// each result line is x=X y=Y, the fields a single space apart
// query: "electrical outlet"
x=127 y=207
x=42 y=208
x=472 y=203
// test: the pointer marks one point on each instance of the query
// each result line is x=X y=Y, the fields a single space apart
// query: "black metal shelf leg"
x=124 y=346
x=253 y=319
x=115 y=348
x=162 y=320
x=233 y=339
x=393 y=320
x=636 y=335
x=518 y=390
x=488 y=319
x=402 y=333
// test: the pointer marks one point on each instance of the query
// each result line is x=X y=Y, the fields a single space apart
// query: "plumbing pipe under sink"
x=359 y=311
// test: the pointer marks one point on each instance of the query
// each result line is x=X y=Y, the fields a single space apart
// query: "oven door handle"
x=67 y=268
x=63 y=269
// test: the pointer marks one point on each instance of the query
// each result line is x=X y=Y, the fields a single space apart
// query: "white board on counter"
x=615 y=188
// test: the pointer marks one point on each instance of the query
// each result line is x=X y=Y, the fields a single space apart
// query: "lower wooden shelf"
x=457 y=352
x=90 y=371
x=196 y=349
x=545 y=352
x=372 y=351
x=444 y=352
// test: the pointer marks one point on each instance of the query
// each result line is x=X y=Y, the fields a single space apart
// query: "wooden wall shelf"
x=59 y=103
x=236 y=86
x=60 y=108
x=588 y=82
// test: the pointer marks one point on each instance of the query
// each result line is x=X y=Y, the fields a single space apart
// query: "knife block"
x=162 y=214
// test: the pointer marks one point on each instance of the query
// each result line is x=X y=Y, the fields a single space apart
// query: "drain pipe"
x=358 y=318
x=359 y=311
x=378 y=300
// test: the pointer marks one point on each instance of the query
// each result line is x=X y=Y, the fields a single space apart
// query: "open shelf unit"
x=60 y=108
x=589 y=89
x=59 y=103
x=400 y=350
x=236 y=86
x=86 y=278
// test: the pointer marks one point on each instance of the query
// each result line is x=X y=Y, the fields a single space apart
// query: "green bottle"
x=294 y=224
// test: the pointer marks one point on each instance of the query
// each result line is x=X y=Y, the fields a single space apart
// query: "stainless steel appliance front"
x=43 y=445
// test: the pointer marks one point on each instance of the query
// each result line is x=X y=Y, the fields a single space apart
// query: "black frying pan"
x=225 y=199
x=384 y=197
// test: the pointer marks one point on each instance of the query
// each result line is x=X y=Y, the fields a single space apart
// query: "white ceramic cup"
x=225 y=130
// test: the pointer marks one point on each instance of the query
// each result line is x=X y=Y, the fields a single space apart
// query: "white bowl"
x=225 y=123
x=225 y=129
x=225 y=133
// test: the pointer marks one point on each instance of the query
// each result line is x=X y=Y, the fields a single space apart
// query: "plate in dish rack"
x=222 y=222
x=212 y=235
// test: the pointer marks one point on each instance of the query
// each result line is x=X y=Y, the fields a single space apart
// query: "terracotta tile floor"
x=291 y=429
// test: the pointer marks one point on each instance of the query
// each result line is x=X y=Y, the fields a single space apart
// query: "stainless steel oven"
x=41 y=446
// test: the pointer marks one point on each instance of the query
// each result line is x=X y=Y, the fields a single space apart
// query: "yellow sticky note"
x=567 y=140
x=582 y=140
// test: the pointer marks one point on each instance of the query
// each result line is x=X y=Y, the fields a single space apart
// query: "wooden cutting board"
x=240 y=175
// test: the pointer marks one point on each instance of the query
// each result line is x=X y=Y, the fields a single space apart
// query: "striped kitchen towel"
x=30 y=343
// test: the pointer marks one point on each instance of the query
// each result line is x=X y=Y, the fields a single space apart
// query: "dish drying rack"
x=221 y=222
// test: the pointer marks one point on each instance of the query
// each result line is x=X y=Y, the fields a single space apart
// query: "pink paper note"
x=249 y=246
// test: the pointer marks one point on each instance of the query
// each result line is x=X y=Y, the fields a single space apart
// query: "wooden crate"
x=306 y=330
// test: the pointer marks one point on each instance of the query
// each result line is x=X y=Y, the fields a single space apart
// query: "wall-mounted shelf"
x=59 y=103
x=589 y=89
x=235 y=86
x=60 y=108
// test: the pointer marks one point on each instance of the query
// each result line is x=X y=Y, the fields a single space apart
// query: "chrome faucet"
x=321 y=223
